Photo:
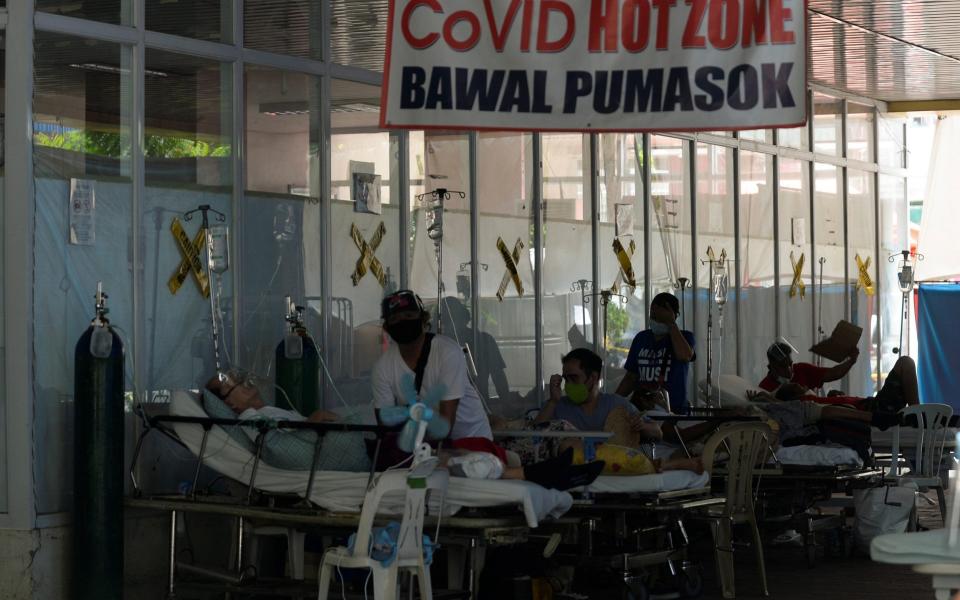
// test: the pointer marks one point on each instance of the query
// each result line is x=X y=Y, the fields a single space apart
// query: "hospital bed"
x=792 y=490
x=330 y=501
x=630 y=528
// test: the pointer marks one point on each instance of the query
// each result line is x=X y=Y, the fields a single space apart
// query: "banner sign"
x=595 y=65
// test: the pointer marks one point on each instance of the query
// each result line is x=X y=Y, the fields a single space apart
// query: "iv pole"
x=435 y=233
x=905 y=277
x=712 y=262
x=204 y=209
x=820 y=331
x=681 y=284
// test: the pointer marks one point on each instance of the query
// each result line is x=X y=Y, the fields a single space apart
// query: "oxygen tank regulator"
x=293 y=341
x=101 y=338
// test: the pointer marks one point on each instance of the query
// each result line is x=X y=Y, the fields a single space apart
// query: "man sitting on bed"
x=437 y=361
x=899 y=389
x=588 y=409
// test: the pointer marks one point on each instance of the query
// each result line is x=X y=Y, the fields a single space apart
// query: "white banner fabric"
x=595 y=65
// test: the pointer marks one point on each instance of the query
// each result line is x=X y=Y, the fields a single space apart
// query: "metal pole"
x=403 y=168
x=538 y=209
x=594 y=171
x=172 y=573
x=647 y=259
x=473 y=188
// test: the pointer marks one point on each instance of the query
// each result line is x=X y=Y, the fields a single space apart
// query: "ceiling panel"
x=887 y=50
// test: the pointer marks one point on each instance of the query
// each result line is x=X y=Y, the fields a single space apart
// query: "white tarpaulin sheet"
x=615 y=65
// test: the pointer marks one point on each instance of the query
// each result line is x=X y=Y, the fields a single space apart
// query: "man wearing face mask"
x=436 y=361
x=781 y=369
x=406 y=322
x=588 y=409
x=660 y=357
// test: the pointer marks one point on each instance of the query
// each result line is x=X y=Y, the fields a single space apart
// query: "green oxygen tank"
x=98 y=461
x=298 y=365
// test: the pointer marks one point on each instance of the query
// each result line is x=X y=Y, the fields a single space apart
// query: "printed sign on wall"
x=595 y=65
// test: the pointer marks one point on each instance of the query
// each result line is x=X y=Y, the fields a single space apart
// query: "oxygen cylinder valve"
x=294 y=315
x=101 y=306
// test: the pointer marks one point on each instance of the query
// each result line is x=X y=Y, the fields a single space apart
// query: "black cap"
x=400 y=301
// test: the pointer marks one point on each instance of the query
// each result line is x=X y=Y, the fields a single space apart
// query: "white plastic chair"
x=746 y=445
x=409 y=543
x=932 y=423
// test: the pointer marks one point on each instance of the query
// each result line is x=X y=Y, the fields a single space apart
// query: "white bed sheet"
x=344 y=492
x=819 y=456
x=668 y=481
x=915 y=548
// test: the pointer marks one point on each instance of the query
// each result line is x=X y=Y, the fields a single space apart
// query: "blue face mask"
x=659 y=328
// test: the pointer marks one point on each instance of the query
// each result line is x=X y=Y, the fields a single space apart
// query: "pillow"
x=218 y=409
x=730 y=389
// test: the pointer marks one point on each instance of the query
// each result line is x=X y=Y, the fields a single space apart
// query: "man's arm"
x=546 y=413
x=448 y=410
x=681 y=348
x=837 y=371
x=627 y=384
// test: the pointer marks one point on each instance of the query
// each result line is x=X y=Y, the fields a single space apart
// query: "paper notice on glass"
x=843 y=341
x=82 y=210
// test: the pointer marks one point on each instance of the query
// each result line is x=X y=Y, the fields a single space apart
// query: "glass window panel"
x=291 y=27
x=757 y=277
x=862 y=232
x=758 y=135
x=3 y=343
x=795 y=228
x=210 y=20
x=354 y=105
x=505 y=350
x=715 y=229
x=188 y=163
x=670 y=214
x=445 y=159
x=828 y=229
x=279 y=240
x=892 y=149
x=567 y=246
x=860 y=131
x=358 y=31
x=794 y=137
x=81 y=135
x=107 y=11
x=356 y=333
x=827 y=124
x=621 y=218
x=894 y=238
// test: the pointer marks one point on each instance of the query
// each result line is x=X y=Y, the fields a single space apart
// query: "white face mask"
x=659 y=328
x=782 y=380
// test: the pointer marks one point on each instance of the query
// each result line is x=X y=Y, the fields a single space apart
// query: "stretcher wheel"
x=690 y=584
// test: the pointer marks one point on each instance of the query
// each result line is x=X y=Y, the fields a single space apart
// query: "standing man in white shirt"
x=406 y=322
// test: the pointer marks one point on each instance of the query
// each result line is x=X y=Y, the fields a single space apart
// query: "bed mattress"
x=344 y=492
x=819 y=456
x=668 y=481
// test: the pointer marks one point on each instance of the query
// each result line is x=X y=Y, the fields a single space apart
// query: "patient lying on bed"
x=239 y=391
x=587 y=409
